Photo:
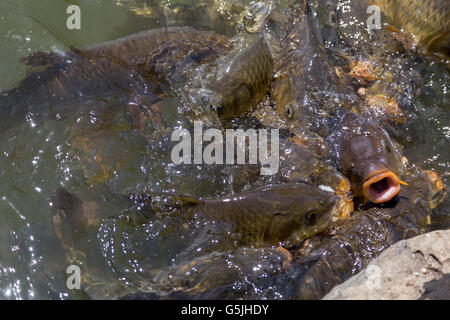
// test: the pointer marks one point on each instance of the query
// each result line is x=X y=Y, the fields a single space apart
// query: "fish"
x=270 y=215
x=144 y=65
x=368 y=157
x=304 y=87
x=426 y=20
x=319 y=106
x=243 y=81
x=134 y=65
x=323 y=262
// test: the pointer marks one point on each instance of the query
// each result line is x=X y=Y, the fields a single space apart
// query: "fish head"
x=305 y=87
x=288 y=92
x=425 y=189
x=415 y=204
x=305 y=211
x=371 y=162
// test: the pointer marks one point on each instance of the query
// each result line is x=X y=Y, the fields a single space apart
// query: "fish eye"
x=311 y=217
x=289 y=111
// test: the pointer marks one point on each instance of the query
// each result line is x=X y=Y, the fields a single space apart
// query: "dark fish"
x=322 y=263
x=304 y=87
x=244 y=80
x=427 y=20
x=367 y=156
x=135 y=65
x=272 y=214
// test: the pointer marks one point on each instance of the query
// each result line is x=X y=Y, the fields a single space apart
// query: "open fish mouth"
x=382 y=186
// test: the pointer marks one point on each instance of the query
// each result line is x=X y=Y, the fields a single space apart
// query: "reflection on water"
x=95 y=152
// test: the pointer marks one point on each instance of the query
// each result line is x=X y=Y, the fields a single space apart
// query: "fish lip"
x=386 y=195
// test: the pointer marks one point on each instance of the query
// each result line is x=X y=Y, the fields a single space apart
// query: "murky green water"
x=41 y=154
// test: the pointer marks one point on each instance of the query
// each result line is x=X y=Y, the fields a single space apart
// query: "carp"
x=427 y=21
x=368 y=157
x=142 y=65
x=272 y=214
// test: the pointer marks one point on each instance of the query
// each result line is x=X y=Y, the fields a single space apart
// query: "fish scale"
x=269 y=215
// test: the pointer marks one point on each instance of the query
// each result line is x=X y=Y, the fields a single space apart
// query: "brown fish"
x=273 y=214
x=368 y=157
x=304 y=86
x=143 y=65
x=244 y=80
x=135 y=65
x=426 y=20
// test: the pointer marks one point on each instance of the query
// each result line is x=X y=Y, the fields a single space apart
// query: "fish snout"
x=381 y=186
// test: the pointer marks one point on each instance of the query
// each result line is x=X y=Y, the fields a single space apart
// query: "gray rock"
x=417 y=268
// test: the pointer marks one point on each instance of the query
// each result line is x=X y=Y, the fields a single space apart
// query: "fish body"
x=367 y=156
x=243 y=81
x=273 y=214
x=427 y=20
x=135 y=65
x=304 y=86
